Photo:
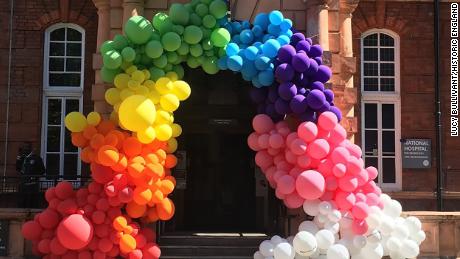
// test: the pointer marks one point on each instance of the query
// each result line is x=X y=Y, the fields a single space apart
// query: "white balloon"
x=334 y=216
x=347 y=220
x=393 y=244
x=359 y=241
x=373 y=220
x=266 y=248
x=393 y=209
x=419 y=237
x=311 y=207
x=387 y=225
x=325 y=238
x=289 y=239
x=325 y=207
x=297 y=256
x=317 y=221
x=385 y=198
x=284 y=251
x=332 y=226
x=305 y=243
x=409 y=249
x=372 y=251
x=276 y=240
x=396 y=255
x=308 y=226
x=258 y=255
x=400 y=231
x=338 y=251
x=374 y=237
x=322 y=218
x=413 y=224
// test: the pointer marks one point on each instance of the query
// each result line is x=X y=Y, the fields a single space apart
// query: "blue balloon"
x=236 y=27
x=251 y=52
x=246 y=77
x=274 y=29
x=236 y=39
x=222 y=21
x=262 y=62
x=262 y=20
x=285 y=25
x=270 y=48
x=249 y=69
x=276 y=17
x=232 y=49
x=266 y=77
x=229 y=28
x=246 y=36
x=222 y=63
x=283 y=40
x=257 y=44
x=255 y=82
x=235 y=63
x=246 y=25
x=267 y=37
x=257 y=31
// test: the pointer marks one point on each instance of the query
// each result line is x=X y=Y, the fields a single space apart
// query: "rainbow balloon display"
x=309 y=160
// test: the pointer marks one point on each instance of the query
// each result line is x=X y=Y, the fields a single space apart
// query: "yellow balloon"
x=169 y=102
x=138 y=76
x=121 y=81
x=131 y=69
x=163 y=85
x=176 y=130
x=172 y=75
x=146 y=136
x=125 y=93
x=137 y=113
x=116 y=107
x=142 y=90
x=154 y=96
x=163 y=117
x=133 y=84
x=93 y=118
x=146 y=74
x=114 y=117
x=112 y=96
x=163 y=132
x=75 y=122
x=181 y=89
x=149 y=84
x=172 y=146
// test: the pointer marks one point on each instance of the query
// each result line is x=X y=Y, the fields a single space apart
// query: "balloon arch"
x=309 y=160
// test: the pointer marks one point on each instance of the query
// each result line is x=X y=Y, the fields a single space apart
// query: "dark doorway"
x=218 y=193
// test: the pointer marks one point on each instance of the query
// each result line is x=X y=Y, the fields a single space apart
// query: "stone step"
x=202 y=251
x=206 y=257
x=211 y=241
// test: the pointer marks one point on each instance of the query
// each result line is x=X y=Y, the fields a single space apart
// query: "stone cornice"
x=348 y=6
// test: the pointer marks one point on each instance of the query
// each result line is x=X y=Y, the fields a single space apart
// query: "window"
x=381 y=126
x=63 y=93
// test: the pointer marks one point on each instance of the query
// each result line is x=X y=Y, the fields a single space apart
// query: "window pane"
x=371 y=144
x=57 y=49
x=68 y=147
x=53 y=140
x=74 y=49
x=387 y=54
x=52 y=164
x=56 y=64
x=72 y=105
x=387 y=84
x=57 y=34
x=389 y=172
x=64 y=79
x=371 y=161
x=70 y=165
x=388 y=116
x=371 y=54
x=388 y=143
x=73 y=35
x=54 y=111
x=387 y=69
x=386 y=40
x=371 y=69
x=371 y=84
x=370 y=115
x=73 y=64
x=370 y=40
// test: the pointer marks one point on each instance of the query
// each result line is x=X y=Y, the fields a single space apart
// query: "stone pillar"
x=318 y=24
x=131 y=8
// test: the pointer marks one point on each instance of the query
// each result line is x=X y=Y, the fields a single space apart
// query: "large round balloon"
x=75 y=232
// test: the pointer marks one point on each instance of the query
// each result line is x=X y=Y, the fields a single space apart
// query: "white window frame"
x=384 y=97
x=60 y=92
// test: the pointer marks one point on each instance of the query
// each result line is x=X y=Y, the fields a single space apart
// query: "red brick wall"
x=30 y=20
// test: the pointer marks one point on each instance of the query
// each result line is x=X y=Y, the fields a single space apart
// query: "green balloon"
x=220 y=37
x=221 y=52
x=193 y=62
x=210 y=66
x=162 y=23
x=128 y=54
x=154 y=49
x=206 y=32
x=209 y=21
x=179 y=14
x=138 y=59
x=206 y=44
x=179 y=29
x=161 y=62
x=156 y=73
x=172 y=57
x=108 y=75
x=125 y=65
x=193 y=34
x=112 y=59
x=107 y=46
x=179 y=70
x=155 y=36
x=195 y=19
x=183 y=49
x=168 y=67
x=120 y=42
x=171 y=41
x=138 y=29
x=209 y=53
x=201 y=10
x=218 y=9
x=201 y=59
x=206 y=1
x=146 y=60
x=196 y=50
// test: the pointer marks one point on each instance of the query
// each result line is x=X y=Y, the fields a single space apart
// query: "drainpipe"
x=7 y=123
x=439 y=174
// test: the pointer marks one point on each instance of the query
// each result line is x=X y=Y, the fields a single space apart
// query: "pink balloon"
x=355 y=150
x=151 y=251
x=50 y=194
x=281 y=124
x=345 y=200
x=135 y=254
x=371 y=187
x=348 y=183
x=279 y=195
x=325 y=167
x=262 y=123
x=126 y=194
x=327 y=196
x=354 y=166
x=360 y=210
x=75 y=232
x=307 y=131
x=372 y=199
x=67 y=207
x=340 y=155
x=360 y=197
x=273 y=151
x=372 y=172
x=339 y=170
x=337 y=135
x=263 y=141
x=284 y=165
x=327 y=121
x=363 y=177
x=298 y=147
x=277 y=175
x=318 y=149
x=331 y=183
x=322 y=134
x=359 y=226
x=253 y=141
x=293 y=200
x=310 y=185
x=269 y=174
x=295 y=172
x=284 y=131
x=110 y=189
x=278 y=158
x=286 y=184
x=291 y=137
x=263 y=159
x=290 y=157
x=303 y=161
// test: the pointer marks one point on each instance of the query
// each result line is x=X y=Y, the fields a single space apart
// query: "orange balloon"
x=121 y=165
x=152 y=215
x=167 y=186
x=171 y=178
x=135 y=210
x=119 y=223
x=132 y=147
x=108 y=155
x=142 y=195
x=151 y=158
x=127 y=244
x=89 y=132
x=137 y=159
x=165 y=209
x=141 y=181
x=135 y=170
x=105 y=127
x=79 y=140
x=97 y=141
x=111 y=139
x=154 y=170
x=167 y=172
x=156 y=144
x=157 y=196
x=87 y=155
x=120 y=138
x=161 y=155
x=170 y=161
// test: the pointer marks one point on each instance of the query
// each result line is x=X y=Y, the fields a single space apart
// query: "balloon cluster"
x=252 y=51
x=86 y=224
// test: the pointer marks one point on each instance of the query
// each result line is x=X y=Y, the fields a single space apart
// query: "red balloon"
x=110 y=189
x=151 y=251
x=82 y=193
x=105 y=245
x=47 y=233
x=50 y=194
x=98 y=217
x=102 y=204
x=92 y=199
x=101 y=174
x=49 y=218
x=114 y=201
x=120 y=181
x=57 y=248
x=141 y=241
x=85 y=255
x=44 y=246
x=114 y=252
x=95 y=188
x=67 y=207
x=75 y=232
x=125 y=195
x=113 y=213
x=64 y=190
x=54 y=203
x=99 y=255
x=93 y=245
x=149 y=234
x=136 y=254
x=70 y=255
x=31 y=230
x=101 y=230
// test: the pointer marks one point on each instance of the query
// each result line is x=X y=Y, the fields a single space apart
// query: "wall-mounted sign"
x=180 y=171
x=416 y=153
x=4 y=233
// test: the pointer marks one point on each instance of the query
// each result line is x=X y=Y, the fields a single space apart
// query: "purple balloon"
x=300 y=62
x=325 y=107
x=318 y=60
x=324 y=74
x=286 y=53
x=298 y=104
x=317 y=85
x=287 y=90
x=301 y=80
x=308 y=115
x=284 y=73
x=270 y=111
x=296 y=37
x=315 y=51
x=282 y=106
x=329 y=95
x=302 y=91
x=309 y=41
x=316 y=99
x=336 y=111
x=272 y=94
x=303 y=45
x=258 y=95
x=312 y=69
